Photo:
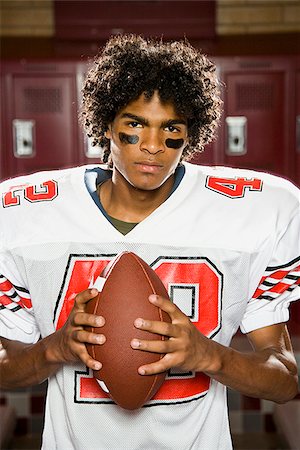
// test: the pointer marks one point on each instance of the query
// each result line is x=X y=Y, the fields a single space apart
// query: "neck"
x=124 y=202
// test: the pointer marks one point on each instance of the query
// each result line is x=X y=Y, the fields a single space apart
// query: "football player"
x=224 y=241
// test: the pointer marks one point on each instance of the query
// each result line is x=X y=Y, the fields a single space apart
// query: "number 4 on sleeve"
x=233 y=187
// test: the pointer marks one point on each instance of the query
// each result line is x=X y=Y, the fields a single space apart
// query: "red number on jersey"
x=47 y=191
x=233 y=187
x=195 y=286
x=84 y=271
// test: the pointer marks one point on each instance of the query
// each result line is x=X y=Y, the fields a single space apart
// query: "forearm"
x=268 y=373
x=23 y=365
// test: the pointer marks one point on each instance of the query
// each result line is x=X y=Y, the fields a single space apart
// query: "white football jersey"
x=226 y=245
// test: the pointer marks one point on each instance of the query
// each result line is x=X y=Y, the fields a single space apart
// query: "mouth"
x=148 y=167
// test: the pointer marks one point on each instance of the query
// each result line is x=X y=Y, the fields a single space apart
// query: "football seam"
x=160 y=316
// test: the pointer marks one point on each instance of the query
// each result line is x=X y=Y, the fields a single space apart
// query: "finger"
x=88 y=360
x=92 y=364
x=166 y=305
x=162 y=347
x=161 y=328
x=85 y=319
x=162 y=365
x=87 y=337
x=83 y=297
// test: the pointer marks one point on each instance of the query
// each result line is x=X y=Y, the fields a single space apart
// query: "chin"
x=148 y=183
x=146 y=186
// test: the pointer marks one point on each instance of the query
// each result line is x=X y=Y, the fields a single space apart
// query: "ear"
x=186 y=142
x=108 y=133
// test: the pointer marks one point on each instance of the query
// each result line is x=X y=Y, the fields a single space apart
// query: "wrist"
x=51 y=351
x=214 y=360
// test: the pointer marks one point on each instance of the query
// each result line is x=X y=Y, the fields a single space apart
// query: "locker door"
x=88 y=154
x=256 y=137
x=294 y=322
x=297 y=179
x=40 y=121
x=2 y=112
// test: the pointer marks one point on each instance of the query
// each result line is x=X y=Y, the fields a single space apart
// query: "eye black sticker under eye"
x=174 y=143
x=128 y=138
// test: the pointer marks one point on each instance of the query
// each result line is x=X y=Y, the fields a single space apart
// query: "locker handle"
x=236 y=135
x=24 y=138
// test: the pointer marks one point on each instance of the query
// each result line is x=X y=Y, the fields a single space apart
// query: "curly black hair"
x=130 y=65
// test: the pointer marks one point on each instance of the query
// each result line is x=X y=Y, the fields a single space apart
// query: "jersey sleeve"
x=17 y=320
x=280 y=283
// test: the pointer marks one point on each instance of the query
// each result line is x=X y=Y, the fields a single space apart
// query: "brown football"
x=124 y=298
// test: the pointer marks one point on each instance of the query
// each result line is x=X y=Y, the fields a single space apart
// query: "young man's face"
x=147 y=141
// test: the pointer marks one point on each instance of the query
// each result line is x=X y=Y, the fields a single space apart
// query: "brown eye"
x=134 y=124
x=172 y=129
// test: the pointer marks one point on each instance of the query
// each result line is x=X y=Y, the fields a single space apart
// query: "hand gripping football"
x=124 y=297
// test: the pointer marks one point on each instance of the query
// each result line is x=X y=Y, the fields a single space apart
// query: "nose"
x=151 y=142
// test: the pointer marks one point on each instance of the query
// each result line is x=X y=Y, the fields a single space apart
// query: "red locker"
x=88 y=154
x=294 y=324
x=2 y=113
x=40 y=128
x=296 y=140
x=257 y=114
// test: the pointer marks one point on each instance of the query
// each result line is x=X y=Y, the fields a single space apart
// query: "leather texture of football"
x=124 y=298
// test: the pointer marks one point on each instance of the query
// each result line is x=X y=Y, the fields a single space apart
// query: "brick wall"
x=30 y=18
x=257 y=16
x=35 y=17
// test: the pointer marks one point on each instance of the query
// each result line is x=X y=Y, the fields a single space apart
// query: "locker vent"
x=42 y=100
x=255 y=96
